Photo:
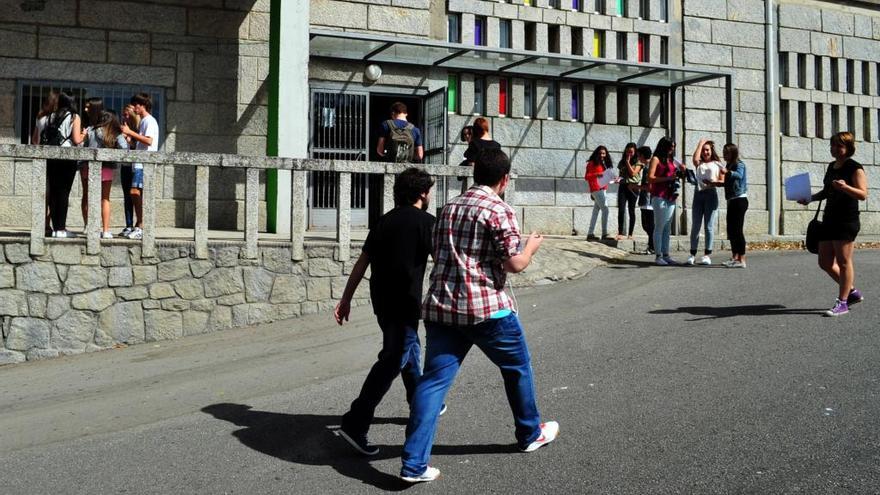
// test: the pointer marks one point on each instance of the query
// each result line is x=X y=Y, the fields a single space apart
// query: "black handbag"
x=814 y=230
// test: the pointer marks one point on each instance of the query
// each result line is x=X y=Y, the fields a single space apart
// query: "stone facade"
x=828 y=83
x=68 y=302
x=210 y=59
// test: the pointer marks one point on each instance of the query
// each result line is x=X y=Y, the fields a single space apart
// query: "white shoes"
x=690 y=260
x=430 y=474
x=549 y=432
x=706 y=260
x=106 y=235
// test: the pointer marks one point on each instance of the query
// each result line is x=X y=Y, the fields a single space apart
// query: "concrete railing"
x=203 y=163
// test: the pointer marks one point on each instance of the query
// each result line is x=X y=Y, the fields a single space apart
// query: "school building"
x=556 y=78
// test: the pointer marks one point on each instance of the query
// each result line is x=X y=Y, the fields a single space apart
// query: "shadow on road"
x=309 y=439
x=613 y=262
x=712 y=312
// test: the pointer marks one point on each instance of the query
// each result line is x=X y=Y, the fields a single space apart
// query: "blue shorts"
x=137 y=178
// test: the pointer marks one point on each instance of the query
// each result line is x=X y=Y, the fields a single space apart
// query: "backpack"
x=51 y=134
x=402 y=146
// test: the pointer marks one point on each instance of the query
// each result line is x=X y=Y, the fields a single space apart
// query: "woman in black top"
x=480 y=141
x=845 y=184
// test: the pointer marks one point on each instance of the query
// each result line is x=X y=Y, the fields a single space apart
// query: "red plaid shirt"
x=474 y=234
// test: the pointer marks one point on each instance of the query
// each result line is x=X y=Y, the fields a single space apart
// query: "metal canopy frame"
x=372 y=48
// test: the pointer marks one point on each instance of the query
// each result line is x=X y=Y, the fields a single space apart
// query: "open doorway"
x=380 y=111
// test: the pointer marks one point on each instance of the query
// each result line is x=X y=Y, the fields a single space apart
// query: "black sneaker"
x=359 y=442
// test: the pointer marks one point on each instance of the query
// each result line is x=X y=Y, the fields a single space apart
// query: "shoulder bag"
x=814 y=229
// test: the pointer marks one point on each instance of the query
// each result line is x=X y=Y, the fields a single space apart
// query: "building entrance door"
x=338 y=132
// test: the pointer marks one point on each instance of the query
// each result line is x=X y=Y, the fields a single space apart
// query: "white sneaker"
x=430 y=474
x=125 y=232
x=136 y=233
x=60 y=234
x=106 y=235
x=706 y=260
x=690 y=261
x=549 y=431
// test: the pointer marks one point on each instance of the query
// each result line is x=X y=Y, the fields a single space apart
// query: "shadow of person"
x=713 y=312
x=309 y=439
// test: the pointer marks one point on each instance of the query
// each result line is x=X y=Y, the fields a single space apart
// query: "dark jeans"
x=626 y=202
x=503 y=342
x=736 y=217
x=648 y=226
x=59 y=176
x=400 y=355
x=125 y=174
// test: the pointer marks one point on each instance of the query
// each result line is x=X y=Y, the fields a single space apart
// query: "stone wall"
x=729 y=35
x=67 y=302
x=829 y=83
x=211 y=59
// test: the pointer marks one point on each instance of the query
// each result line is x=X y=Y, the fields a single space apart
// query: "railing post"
x=343 y=216
x=388 y=193
x=201 y=225
x=94 y=225
x=298 y=215
x=38 y=207
x=148 y=196
x=251 y=212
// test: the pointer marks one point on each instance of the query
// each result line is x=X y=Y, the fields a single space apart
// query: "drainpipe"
x=772 y=103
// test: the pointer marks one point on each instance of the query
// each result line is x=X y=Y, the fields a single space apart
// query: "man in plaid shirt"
x=476 y=243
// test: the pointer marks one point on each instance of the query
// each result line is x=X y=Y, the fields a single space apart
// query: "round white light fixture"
x=373 y=72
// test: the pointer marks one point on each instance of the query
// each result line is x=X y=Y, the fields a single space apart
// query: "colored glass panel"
x=502 y=97
x=452 y=93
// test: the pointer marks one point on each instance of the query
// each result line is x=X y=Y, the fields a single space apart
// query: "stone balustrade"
x=67 y=296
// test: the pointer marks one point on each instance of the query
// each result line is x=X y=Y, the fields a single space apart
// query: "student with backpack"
x=146 y=138
x=63 y=128
x=50 y=104
x=399 y=140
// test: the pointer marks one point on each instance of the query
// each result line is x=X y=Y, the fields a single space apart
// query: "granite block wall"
x=68 y=302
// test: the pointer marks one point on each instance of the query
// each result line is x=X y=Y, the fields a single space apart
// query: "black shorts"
x=840 y=231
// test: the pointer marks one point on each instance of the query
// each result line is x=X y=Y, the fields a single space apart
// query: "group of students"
x=650 y=179
x=59 y=123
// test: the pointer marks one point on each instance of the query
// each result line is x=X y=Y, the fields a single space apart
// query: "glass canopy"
x=499 y=61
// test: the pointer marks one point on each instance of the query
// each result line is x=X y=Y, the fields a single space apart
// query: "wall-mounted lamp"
x=373 y=72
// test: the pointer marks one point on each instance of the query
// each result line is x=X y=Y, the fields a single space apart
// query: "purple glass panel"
x=575 y=4
x=478 y=32
x=575 y=106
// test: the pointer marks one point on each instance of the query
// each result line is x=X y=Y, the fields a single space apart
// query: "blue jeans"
x=664 y=210
x=503 y=342
x=704 y=212
x=400 y=355
x=600 y=204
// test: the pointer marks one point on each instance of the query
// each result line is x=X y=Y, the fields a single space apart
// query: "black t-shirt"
x=477 y=146
x=839 y=206
x=398 y=247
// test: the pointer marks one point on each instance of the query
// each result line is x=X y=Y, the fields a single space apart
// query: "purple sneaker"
x=855 y=296
x=840 y=308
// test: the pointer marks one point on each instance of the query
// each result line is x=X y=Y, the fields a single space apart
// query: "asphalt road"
x=664 y=380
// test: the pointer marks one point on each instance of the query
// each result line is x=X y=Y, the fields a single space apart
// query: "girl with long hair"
x=60 y=174
x=709 y=172
x=94 y=114
x=736 y=191
x=663 y=176
x=844 y=185
x=50 y=104
x=599 y=161
x=630 y=172
x=107 y=134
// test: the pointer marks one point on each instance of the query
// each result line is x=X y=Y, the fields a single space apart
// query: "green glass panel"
x=452 y=93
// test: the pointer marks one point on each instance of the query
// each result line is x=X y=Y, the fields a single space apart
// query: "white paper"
x=607 y=177
x=797 y=187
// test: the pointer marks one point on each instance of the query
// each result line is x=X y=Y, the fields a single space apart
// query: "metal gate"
x=338 y=131
x=435 y=143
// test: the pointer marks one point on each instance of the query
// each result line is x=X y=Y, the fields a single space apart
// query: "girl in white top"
x=708 y=170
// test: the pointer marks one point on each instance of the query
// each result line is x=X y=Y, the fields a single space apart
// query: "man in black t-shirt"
x=396 y=250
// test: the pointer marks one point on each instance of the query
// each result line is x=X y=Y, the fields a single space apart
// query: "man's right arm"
x=518 y=263
x=343 y=308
